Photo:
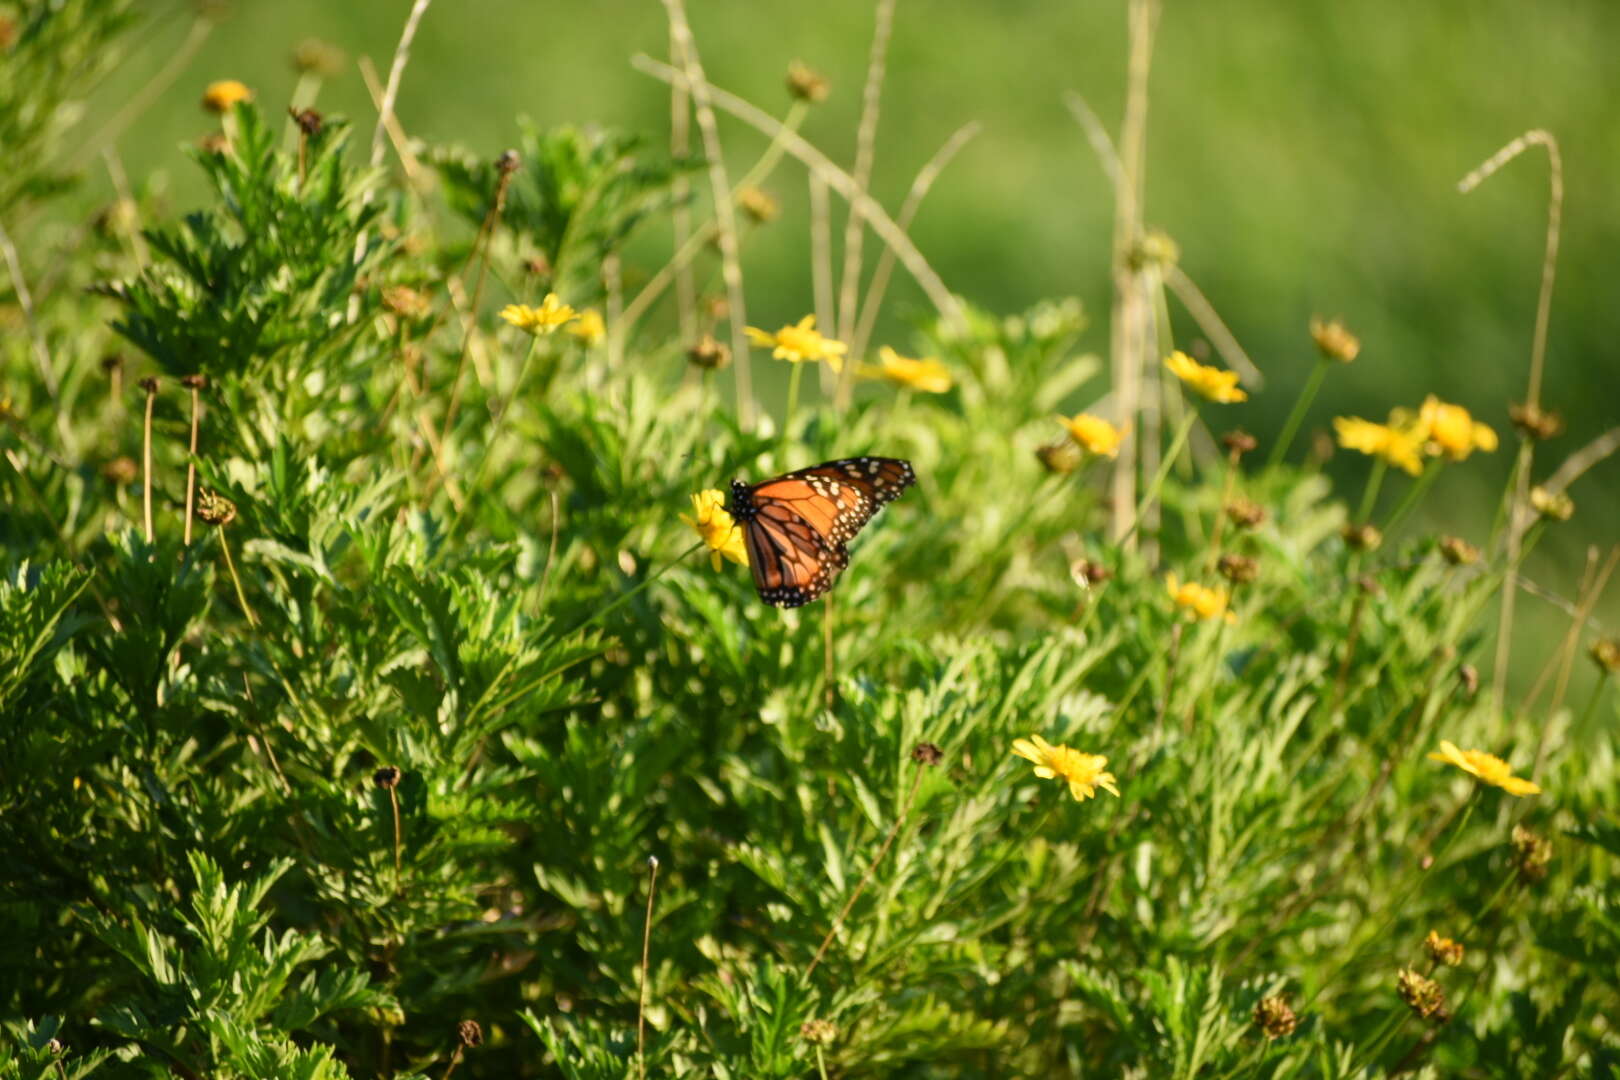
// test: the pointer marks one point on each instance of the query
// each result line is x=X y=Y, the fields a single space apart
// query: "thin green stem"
x=626 y=597
x=1183 y=430
x=1413 y=494
x=1369 y=495
x=1297 y=416
x=241 y=597
x=495 y=434
x=792 y=403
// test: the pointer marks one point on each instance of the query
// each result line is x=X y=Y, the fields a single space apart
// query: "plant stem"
x=1413 y=494
x=1183 y=430
x=241 y=597
x=792 y=403
x=1297 y=416
x=1369 y=494
x=625 y=598
x=399 y=879
x=828 y=666
x=646 y=953
x=191 y=464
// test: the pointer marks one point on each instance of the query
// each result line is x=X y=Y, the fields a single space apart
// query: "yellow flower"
x=1552 y=505
x=1084 y=772
x=1487 y=767
x=800 y=343
x=590 y=328
x=1453 y=430
x=221 y=95
x=1334 y=341
x=1094 y=433
x=1443 y=950
x=1400 y=446
x=1211 y=382
x=1201 y=601
x=712 y=521
x=928 y=374
x=544 y=319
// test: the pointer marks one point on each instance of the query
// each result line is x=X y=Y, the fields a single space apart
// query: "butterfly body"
x=797 y=527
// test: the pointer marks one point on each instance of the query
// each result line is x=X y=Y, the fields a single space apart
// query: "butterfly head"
x=742 y=504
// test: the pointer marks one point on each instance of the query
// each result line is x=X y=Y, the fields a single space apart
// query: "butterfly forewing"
x=796 y=526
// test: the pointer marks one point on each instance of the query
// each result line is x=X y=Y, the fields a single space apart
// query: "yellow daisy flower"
x=1094 y=434
x=1200 y=601
x=1400 y=446
x=221 y=95
x=1487 y=767
x=544 y=319
x=589 y=328
x=1334 y=340
x=712 y=521
x=1084 y=772
x=1452 y=430
x=1210 y=382
x=797 y=344
x=927 y=375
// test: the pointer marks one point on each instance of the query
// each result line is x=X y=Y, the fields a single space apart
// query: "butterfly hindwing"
x=797 y=527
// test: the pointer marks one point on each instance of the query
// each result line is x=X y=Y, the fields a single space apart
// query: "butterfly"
x=796 y=526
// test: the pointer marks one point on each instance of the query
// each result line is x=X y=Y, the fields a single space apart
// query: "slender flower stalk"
x=1296 y=416
x=646 y=956
x=194 y=383
x=150 y=385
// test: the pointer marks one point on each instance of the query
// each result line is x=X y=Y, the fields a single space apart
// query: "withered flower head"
x=760 y=206
x=926 y=753
x=1087 y=572
x=387 y=776
x=112 y=362
x=214 y=143
x=1468 y=675
x=716 y=306
x=121 y=470
x=1552 y=505
x=1060 y=458
x=1245 y=514
x=1363 y=537
x=1274 y=1017
x=149 y=384
x=1458 y=552
x=214 y=508
x=1239 y=442
x=406 y=302
x=470 y=1033
x=508 y=164
x=315 y=57
x=1443 y=950
x=1238 y=569
x=194 y=382
x=1333 y=341
x=538 y=265
x=1531 y=854
x=806 y=84
x=1606 y=654
x=1536 y=423
x=818 y=1031
x=709 y=354
x=1422 y=995
x=309 y=121
x=1157 y=248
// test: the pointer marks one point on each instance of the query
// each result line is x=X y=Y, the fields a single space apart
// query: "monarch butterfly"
x=796 y=526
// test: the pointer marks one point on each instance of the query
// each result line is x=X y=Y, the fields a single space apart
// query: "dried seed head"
x=406 y=302
x=709 y=354
x=215 y=509
x=214 y=143
x=55 y=1047
x=149 y=384
x=1468 y=675
x=1156 y=249
x=759 y=205
x=1552 y=505
x=1060 y=458
x=1363 y=537
x=1458 y=552
x=538 y=265
x=716 y=307
x=818 y=1031
x=1369 y=585
x=1087 y=573
x=1245 y=514
x=1606 y=655
x=313 y=56
x=1536 y=423
x=806 y=84
x=1333 y=341
x=1443 y=950
x=926 y=753
x=309 y=121
x=1239 y=442
x=1238 y=569
x=194 y=382
x=470 y=1033
x=1422 y=995
x=508 y=163
x=1274 y=1017
x=1531 y=854
x=112 y=362
x=121 y=470
x=386 y=777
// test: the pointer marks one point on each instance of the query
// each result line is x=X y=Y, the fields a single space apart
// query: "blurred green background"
x=1304 y=154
